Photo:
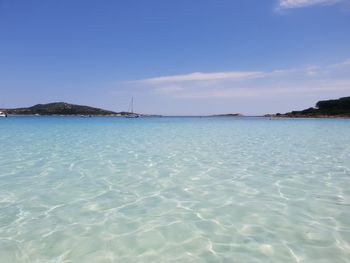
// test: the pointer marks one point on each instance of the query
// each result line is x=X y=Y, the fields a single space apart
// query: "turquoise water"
x=174 y=190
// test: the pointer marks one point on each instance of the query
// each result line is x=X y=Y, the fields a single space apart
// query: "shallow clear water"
x=174 y=190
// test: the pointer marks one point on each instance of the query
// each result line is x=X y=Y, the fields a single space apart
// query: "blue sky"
x=175 y=57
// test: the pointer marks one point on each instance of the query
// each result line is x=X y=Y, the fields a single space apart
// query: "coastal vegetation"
x=324 y=108
x=61 y=108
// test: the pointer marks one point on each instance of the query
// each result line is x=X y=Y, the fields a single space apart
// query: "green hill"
x=59 y=108
x=325 y=108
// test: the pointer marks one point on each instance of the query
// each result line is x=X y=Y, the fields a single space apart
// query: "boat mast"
x=132 y=105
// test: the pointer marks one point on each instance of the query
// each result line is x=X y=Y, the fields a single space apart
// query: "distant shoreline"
x=186 y=116
x=327 y=109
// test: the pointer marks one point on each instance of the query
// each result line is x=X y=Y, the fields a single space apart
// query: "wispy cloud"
x=200 y=76
x=261 y=91
x=304 y=80
x=343 y=64
x=287 y=4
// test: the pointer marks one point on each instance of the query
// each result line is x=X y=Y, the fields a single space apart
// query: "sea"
x=174 y=189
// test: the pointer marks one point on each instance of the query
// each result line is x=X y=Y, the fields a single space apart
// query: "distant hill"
x=61 y=108
x=227 y=115
x=324 y=108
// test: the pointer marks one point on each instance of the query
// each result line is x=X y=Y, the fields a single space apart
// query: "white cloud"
x=302 y=81
x=200 y=76
x=256 y=90
x=343 y=64
x=286 y=4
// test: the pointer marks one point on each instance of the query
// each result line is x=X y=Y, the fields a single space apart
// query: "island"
x=338 y=108
x=62 y=108
x=227 y=115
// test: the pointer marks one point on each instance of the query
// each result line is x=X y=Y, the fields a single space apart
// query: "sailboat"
x=131 y=110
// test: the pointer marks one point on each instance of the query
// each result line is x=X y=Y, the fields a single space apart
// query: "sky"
x=183 y=57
